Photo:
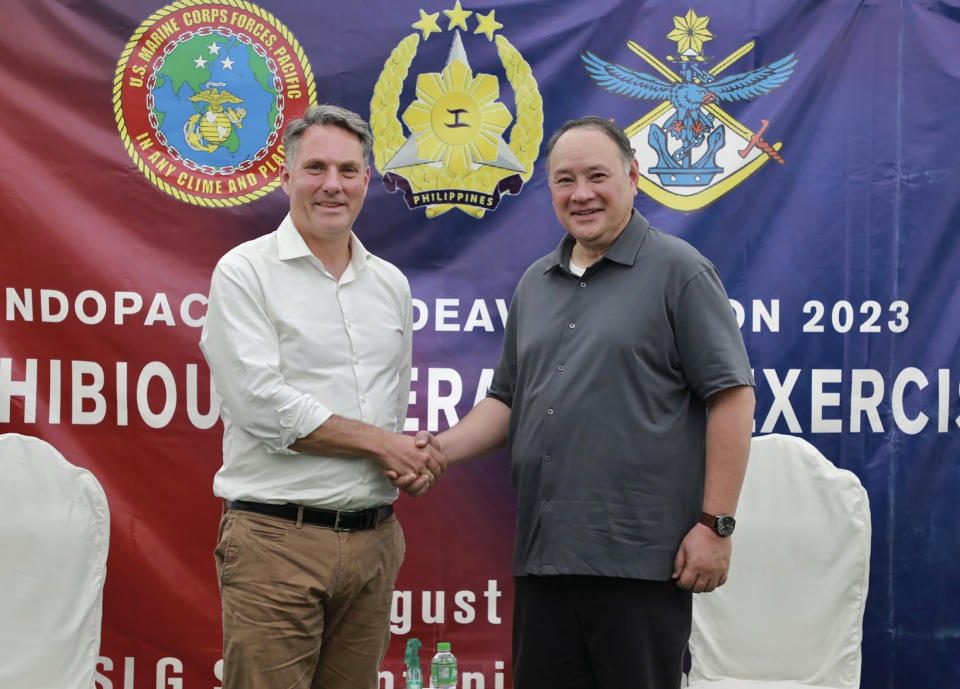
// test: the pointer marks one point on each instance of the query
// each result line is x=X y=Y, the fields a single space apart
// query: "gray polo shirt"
x=606 y=377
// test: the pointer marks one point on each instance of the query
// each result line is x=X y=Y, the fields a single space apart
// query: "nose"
x=582 y=191
x=331 y=180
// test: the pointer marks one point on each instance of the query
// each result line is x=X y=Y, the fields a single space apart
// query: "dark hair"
x=606 y=126
x=324 y=115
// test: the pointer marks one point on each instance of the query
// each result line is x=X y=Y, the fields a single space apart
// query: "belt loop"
x=299 y=516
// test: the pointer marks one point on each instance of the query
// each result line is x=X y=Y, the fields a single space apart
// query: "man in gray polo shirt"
x=624 y=396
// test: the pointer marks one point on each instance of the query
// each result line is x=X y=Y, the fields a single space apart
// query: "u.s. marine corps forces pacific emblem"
x=202 y=93
x=455 y=155
x=691 y=152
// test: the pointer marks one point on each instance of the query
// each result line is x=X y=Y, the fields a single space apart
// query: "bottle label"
x=444 y=675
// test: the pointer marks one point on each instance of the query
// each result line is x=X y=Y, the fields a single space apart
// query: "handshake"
x=413 y=463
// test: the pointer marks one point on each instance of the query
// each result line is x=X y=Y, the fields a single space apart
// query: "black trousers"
x=586 y=632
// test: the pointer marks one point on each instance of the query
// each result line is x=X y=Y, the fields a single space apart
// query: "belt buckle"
x=336 y=522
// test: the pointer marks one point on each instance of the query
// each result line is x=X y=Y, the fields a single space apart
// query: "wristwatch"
x=722 y=524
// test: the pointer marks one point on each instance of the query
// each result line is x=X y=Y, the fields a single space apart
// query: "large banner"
x=802 y=145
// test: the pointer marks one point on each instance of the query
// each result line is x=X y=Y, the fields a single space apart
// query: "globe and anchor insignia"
x=208 y=130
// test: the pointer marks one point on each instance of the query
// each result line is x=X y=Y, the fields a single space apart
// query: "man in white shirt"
x=308 y=337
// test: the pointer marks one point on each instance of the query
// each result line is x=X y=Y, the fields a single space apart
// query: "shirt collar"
x=624 y=250
x=290 y=245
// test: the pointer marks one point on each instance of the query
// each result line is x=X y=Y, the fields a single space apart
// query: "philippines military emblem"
x=454 y=154
x=691 y=152
x=202 y=93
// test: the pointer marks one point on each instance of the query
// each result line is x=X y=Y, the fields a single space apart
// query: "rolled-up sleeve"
x=243 y=352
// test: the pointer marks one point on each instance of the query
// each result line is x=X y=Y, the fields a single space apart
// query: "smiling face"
x=592 y=188
x=327 y=183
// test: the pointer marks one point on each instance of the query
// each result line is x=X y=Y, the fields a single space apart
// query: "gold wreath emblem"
x=525 y=136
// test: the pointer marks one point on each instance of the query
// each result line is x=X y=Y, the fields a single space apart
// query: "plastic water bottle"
x=412 y=660
x=443 y=668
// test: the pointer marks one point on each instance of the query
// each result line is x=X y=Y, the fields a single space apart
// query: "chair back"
x=54 y=536
x=792 y=608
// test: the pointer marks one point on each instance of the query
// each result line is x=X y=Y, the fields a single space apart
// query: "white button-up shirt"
x=288 y=346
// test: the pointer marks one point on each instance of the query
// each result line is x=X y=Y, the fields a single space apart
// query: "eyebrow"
x=592 y=168
x=342 y=163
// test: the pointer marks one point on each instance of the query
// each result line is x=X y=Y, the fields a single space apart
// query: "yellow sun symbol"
x=456 y=118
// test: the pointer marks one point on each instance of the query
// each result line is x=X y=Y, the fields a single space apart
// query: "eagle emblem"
x=691 y=151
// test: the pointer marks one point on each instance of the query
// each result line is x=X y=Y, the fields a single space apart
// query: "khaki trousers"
x=304 y=607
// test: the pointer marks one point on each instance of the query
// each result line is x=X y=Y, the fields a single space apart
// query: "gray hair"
x=606 y=126
x=327 y=115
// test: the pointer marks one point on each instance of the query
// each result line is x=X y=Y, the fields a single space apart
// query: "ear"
x=285 y=178
x=634 y=174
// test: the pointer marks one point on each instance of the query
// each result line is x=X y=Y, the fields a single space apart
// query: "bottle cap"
x=443 y=646
x=412 y=658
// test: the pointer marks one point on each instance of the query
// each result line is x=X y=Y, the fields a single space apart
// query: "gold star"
x=427 y=24
x=458 y=17
x=487 y=25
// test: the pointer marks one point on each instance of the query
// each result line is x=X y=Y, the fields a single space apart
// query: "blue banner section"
x=803 y=146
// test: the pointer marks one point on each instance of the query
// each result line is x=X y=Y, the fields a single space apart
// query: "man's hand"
x=481 y=431
x=702 y=561
x=422 y=464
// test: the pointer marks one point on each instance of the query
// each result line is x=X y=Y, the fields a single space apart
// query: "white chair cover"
x=791 y=612
x=54 y=536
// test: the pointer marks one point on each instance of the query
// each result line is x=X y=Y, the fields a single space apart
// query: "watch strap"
x=721 y=524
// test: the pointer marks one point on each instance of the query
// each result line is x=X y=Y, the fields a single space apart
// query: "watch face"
x=724 y=524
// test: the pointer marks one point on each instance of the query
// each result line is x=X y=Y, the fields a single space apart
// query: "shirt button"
x=546 y=505
x=583 y=284
x=550 y=411
x=547 y=458
x=572 y=326
x=560 y=367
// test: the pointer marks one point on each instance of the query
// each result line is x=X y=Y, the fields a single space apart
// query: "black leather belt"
x=338 y=520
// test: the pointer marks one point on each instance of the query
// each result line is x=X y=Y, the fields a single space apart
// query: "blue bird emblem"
x=690 y=123
x=687 y=163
